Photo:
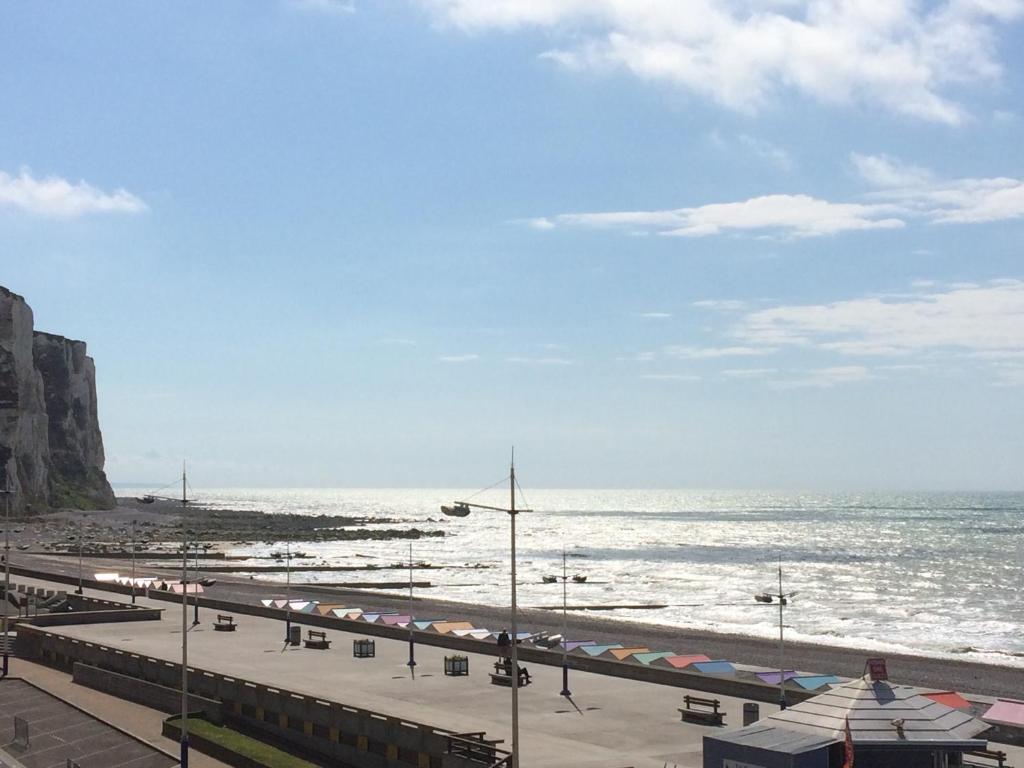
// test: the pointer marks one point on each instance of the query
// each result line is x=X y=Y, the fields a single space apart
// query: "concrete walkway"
x=608 y=723
x=141 y=722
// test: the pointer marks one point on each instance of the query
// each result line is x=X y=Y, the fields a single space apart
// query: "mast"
x=515 y=629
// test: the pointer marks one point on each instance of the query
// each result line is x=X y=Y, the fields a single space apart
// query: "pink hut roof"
x=1005 y=712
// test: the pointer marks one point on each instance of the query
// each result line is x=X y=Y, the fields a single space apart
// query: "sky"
x=649 y=243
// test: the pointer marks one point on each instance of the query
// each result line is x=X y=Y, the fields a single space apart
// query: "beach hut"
x=814 y=682
x=714 y=667
x=444 y=627
x=593 y=650
x=889 y=725
x=680 y=661
x=647 y=658
x=624 y=653
x=1006 y=717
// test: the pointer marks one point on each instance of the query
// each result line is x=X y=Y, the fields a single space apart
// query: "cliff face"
x=50 y=442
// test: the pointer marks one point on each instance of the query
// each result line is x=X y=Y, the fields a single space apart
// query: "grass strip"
x=271 y=757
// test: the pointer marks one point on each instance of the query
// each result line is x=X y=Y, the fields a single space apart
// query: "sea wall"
x=51 y=448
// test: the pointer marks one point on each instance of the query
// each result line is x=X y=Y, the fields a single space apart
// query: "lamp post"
x=184 y=621
x=195 y=617
x=79 y=590
x=133 y=562
x=565 y=628
x=184 y=644
x=288 y=591
x=412 y=645
x=462 y=509
x=783 y=598
x=7 y=561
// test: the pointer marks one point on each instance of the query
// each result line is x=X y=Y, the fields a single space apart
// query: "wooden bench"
x=503 y=678
x=317 y=639
x=998 y=758
x=225 y=623
x=708 y=712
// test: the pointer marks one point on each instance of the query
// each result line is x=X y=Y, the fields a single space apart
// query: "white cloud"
x=656 y=315
x=885 y=171
x=57 y=197
x=749 y=373
x=827 y=377
x=901 y=192
x=458 y=358
x=784 y=215
x=917 y=192
x=987 y=318
x=902 y=55
x=706 y=353
x=725 y=305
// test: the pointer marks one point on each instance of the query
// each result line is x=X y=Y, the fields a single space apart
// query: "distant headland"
x=51 y=448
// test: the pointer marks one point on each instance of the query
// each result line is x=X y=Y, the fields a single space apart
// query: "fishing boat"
x=147 y=499
x=579 y=579
x=549 y=579
x=457 y=509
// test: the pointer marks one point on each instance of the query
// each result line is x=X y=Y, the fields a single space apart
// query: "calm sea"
x=940 y=573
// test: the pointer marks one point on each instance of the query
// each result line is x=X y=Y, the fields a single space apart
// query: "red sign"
x=876 y=669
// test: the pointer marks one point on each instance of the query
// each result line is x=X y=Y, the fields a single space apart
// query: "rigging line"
x=488 y=488
x=526 y=502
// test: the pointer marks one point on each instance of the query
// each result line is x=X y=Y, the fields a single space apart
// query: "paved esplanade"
x=610 y=723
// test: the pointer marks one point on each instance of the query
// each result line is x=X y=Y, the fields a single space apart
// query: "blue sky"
x=672 y=244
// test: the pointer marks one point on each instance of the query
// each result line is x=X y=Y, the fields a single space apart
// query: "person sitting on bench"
x=524 y=677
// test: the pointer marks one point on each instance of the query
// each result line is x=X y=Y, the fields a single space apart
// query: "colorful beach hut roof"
x=874 y=708
x=571 y=644
x=814 y=682
x=950 y=699
x=623 y=653
x=679 y=661
x=647 y=658
x=772 y=678
x=717 y=667
x=594 y=650
x=1006 y=712
x=444 y=627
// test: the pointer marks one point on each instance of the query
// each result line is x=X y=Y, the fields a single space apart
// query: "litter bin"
x=294 y=635
x=751 y=713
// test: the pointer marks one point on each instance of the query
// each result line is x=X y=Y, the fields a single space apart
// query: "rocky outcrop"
x=51 y=448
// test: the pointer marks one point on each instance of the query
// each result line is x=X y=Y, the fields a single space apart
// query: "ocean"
x=940 y=574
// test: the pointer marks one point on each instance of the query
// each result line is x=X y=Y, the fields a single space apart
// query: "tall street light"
x=288 y=591
x=184 y=620
x=565 y=628
x=462 y=509
x=7 y=560
x=783 y=600
x=412 y=644
x=133 y=562
x=80 y=532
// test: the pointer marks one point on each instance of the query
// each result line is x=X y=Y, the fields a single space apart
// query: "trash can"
x=751 y=713
x=294 y=635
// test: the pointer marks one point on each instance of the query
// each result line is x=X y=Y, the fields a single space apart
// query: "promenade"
x=608 y=723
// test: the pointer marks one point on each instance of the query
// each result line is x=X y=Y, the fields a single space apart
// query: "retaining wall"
x=363 y=737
